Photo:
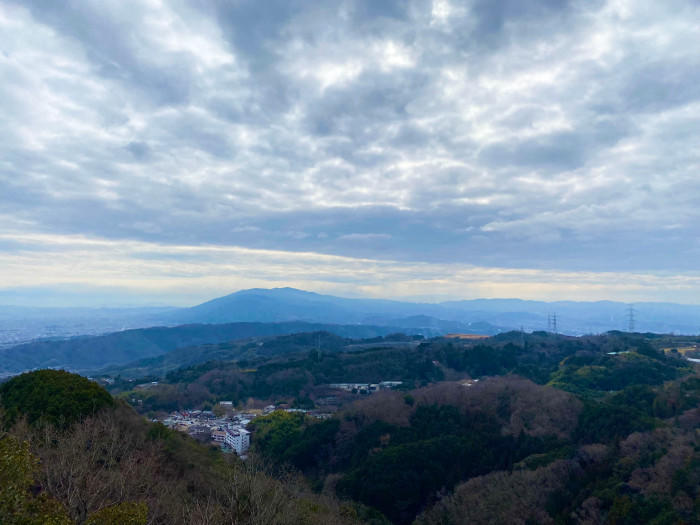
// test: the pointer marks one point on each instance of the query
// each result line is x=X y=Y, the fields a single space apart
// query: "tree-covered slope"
x=112 y=466
x=51 y=396
x=566 y=362
x=249 y=348
x=563 y=451
x=118 y=348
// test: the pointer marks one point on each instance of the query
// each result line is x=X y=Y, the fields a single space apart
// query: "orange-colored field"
x=467 y=336
x=682 y=349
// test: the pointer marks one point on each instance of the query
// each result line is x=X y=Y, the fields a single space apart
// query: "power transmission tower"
x=630 y=318
x=552 y=323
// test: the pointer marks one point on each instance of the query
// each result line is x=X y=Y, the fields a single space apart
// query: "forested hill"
x=517 y=428
x=256 y=349
x=92 y=352
x=513 y=429
x=70 y=454
x=298 y=366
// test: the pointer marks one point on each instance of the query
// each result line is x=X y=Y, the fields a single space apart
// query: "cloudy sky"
x=172 y=151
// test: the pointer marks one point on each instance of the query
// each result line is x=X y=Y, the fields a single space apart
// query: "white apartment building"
x=238 y=439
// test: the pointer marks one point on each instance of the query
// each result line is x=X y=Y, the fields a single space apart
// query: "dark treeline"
x=581 y=365
x=530 y=453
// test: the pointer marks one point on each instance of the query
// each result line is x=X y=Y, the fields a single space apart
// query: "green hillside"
x=516 y=428
x=551 y=429
x=119 y=348
x=110 y=466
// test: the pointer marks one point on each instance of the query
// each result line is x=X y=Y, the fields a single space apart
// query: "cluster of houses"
x=227 y=432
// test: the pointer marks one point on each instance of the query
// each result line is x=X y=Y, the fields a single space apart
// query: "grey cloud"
x=104 y=32
x=370 y=11
x=139 y=150
x=364 y=237
x=661 y=85
x=253 y=27
x=374 y=99
x=558 y=151
x=508 y=133
x=492 y=15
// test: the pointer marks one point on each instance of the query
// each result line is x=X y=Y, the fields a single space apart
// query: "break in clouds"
x=549 y=135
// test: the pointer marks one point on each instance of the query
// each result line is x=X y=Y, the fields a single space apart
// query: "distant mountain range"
x=290 y=304
x=290 y=311
x=489 y=315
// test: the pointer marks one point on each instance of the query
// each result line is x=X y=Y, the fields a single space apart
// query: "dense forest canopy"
x=590 y=366
x=52 y=396
x=547 y=410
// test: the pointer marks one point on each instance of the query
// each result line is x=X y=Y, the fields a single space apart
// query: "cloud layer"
x=135 y=272
x=545 y=136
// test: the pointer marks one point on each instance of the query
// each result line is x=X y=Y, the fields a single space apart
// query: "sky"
x=157 y=152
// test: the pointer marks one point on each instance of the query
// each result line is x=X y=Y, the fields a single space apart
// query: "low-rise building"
x=218 y=435
x=200 y=433
x=390 y=384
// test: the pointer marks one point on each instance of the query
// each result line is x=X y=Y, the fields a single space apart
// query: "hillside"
x=516 y=428
x=93 y=352
x=110 y=466
x=249 y=348
x=557 y=429
x=298 y=365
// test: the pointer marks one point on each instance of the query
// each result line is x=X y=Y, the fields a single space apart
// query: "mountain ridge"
x=291 y=305
x=575 y=317
x=84 y=353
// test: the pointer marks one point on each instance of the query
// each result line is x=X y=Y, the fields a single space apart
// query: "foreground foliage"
x=115 y=467
x=18 y=505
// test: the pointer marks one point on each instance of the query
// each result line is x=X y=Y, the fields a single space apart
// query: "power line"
x=630 y=318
